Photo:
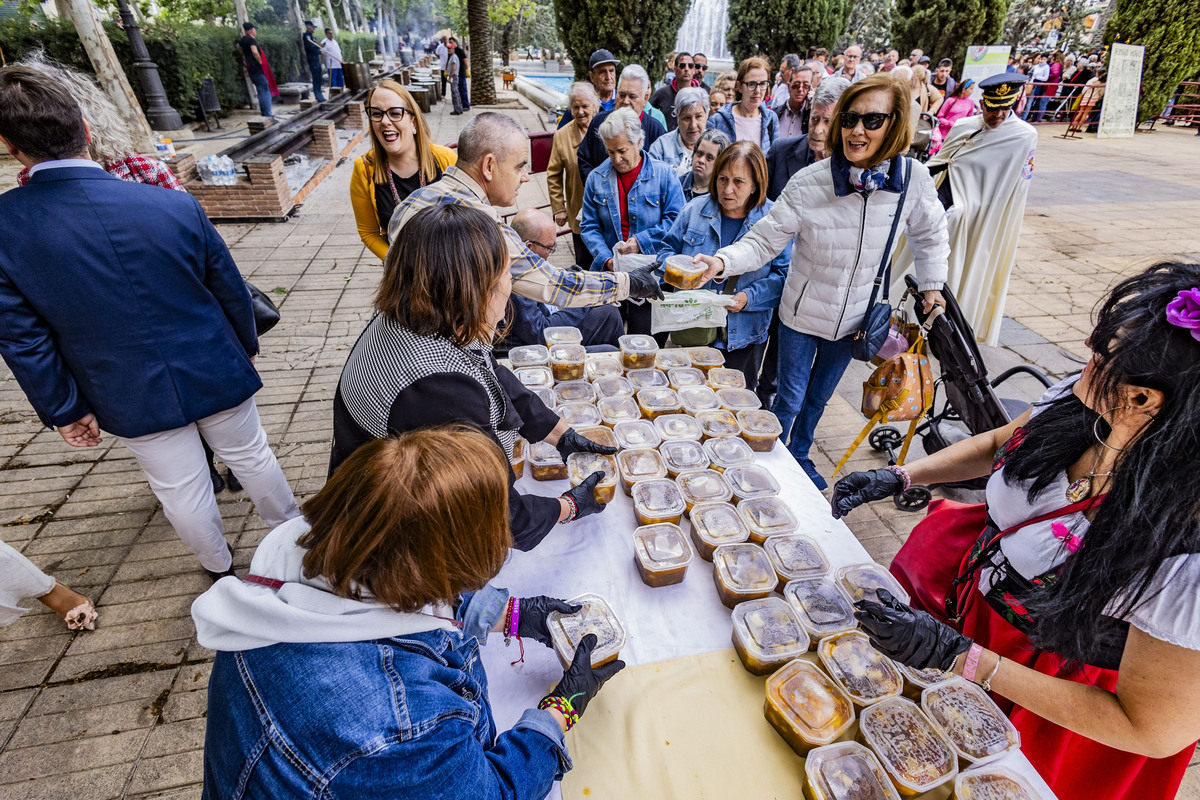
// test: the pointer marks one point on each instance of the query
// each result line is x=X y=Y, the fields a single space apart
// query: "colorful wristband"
x=563 y=706
x=972 y=662
x=903 y=473
x=515 y=618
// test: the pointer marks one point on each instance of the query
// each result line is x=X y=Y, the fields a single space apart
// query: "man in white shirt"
x=443 y=53
x=333 y=59
x=852 y=69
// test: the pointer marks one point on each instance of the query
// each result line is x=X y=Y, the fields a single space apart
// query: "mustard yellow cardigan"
x=362 y=197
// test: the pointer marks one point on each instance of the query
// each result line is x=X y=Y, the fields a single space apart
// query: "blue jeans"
x=264 y=93
x=1038 y=101
x=809 y=370
x=336 y=78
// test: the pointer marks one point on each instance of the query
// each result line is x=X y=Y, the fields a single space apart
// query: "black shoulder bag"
x=878 y=322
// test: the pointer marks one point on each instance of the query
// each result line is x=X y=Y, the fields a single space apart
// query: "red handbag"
x=929 y=560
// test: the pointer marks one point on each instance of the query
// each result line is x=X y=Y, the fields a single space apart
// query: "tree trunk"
x=332 y=19
x=483 y=84
x=351 y=23
x=239 y=7
x=361 y=17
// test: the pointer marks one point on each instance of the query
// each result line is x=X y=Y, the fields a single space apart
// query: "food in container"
x=656 y=501
x=649 y=378
x=581 y=465
x=750 y=481
x=702 y=486
x=866 y=674
x=636 y=433
x=545 y=463
x=596 y=616
x=728 y=452
x=805 y=707
x=975 y=726
x=918 y=680
x=760 y=429
x=613 y=386
x=736 y=400
x=766 y=517
x=914 y=754
x=574 y=392
x=794 y=556
x=518 y=458
x=535 y=377
x=529 y=355
x=656 y=402
x=767 y=635
x=669 y=358
x=685 y=376
x=716 y=423
x=863 y=581
x=715 y=524
x=566 y=362
x=706 y=358
x=992 y=782
x=697 y=399
x=821 y=606
x=642 y=464
x=598 y=434
x=681 y=455
x=562 y=335
x=662 y=554
x=677 y=426
x=612 y=410
x=546 y=395
x=602 y=365
x=637 y=350
x=724 y=378
x=576 y=414
x=680 y=272
x=847 y=771
x=742 y=572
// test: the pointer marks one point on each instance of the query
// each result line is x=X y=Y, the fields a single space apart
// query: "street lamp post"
x=159 y=113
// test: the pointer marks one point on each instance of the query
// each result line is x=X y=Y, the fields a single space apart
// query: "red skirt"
x=1075 y=767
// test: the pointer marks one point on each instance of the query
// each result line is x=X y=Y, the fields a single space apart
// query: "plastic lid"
x=661 y=547
x=820 y=605
x=562 y=335
x=677 y=426
x=582 y=465
x=596 y=616
x=744 y=569
x=546 y=395
x=658 y=399
x=729 y=452
x=647 y=378
x=658 y=498
x=535 y=377
x=529 y=355
x=866 y=674
x=598 y=434
x=683 y=263
x=723 y=378
x=575 y=392
x=767 y=516
x=697 y=399
x=703 y=486
x=862 y=581
x=682 y=454
x=672 y=358
x=768 y=630
x=579 y=414
x=716 y=423
x=923 y=678
x=759 y=424
x=751 y=480
x=641 y=464
x=706 y=357
x=636 y=433
x=993 y=782
x=544 y=454
x=912 y=751
x=738 y=399
x=600 y=365
x=637 y=343
x=612 y=386
x=809 y=702
x=847 y=771
x=716 y=524
x=794 y=555
x=976 y=727
x=617 y=409
x=685 y=376
x=567 y=354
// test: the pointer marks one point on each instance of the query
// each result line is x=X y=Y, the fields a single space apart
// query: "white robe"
x=989 y=173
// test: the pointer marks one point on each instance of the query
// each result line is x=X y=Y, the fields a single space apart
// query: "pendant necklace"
x=1082 y=487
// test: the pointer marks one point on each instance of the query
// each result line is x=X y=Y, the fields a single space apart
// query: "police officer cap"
x=1003 y=90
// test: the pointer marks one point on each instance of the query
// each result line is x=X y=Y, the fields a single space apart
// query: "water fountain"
x=704 y=29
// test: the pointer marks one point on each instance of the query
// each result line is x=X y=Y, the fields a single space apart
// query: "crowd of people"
x=366 y=605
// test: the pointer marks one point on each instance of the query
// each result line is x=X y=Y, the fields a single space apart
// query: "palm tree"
x=479 y=26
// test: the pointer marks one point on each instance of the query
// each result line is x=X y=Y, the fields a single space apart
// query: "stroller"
x=970 y=397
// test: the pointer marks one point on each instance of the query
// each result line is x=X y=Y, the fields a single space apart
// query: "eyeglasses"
x=395 y=114
x=548 y=248
x=872 y=121
x=685 y=66
x=752 y=85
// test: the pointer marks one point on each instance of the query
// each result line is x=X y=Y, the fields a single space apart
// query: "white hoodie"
x=235 y=615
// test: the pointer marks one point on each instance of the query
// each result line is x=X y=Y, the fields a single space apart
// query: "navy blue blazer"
x=120 y=299
x=786 y=158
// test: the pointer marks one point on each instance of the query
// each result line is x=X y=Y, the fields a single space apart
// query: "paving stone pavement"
x=119 y=712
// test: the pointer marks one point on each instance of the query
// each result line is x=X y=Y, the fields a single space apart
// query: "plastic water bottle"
x=205 y=168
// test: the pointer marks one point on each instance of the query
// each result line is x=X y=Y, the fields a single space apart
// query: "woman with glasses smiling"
x=748 y=118
x=402 y=159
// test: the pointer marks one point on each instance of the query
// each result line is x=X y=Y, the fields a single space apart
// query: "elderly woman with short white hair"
x=691 y=115
x=563 y=181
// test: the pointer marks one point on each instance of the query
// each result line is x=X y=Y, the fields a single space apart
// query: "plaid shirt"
x=135 y=168
x=532 y=276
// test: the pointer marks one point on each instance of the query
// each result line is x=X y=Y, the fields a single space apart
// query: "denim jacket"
x=698 y=230
x=654 y=202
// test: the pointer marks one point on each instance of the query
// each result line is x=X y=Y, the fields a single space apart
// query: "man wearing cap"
x=602 y=72
x=313 y=53
x=982 y=173
x=248 y=44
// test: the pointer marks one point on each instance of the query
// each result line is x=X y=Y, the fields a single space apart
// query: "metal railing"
x=1183 y=108
x=1046 y=103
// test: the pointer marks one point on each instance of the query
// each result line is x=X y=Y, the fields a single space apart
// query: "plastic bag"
x=628 y=262
x=697 y=308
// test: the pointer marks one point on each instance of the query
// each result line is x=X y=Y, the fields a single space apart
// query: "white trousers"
x=19 y=580
x=174 y=463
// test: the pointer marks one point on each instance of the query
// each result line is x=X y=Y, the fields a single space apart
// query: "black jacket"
x=786 y=158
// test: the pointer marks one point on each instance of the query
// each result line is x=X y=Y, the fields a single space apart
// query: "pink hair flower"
x=1069 y=540
x=1184 y=311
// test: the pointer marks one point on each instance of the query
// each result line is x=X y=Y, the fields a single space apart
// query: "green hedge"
x=184 y=55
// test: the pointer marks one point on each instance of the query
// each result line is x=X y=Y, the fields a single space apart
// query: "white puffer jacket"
x=839 y=240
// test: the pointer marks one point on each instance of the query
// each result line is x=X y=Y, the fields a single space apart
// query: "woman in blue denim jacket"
x=710 y=222
x=749 y=118
x=348 y=660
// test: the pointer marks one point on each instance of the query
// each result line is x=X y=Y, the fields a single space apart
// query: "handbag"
x=878 y=321
x=266 y=313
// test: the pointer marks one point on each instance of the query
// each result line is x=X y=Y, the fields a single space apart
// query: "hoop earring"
x=1096 y=428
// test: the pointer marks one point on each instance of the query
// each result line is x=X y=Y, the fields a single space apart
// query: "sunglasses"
x=702 y=67
x=685 y=66
x=395 y=114
x=872 y=121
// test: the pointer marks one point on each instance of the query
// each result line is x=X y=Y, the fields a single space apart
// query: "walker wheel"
x=884 y=438
x=915 y=498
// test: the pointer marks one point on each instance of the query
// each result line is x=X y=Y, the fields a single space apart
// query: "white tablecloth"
x=595 y=554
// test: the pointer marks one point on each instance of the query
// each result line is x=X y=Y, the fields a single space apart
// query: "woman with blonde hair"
x=919 y=85
x=402 y=159
x=563 y=181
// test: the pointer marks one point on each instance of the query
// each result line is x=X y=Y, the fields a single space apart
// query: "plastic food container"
x=577 y=414
x=598 y=434
x=546 y=395
x=794 y=556
x=751 y=481
x=535 y=377
x=716 y=524
x=677 y=426
x=716 y=423
x=918 y=680
x=648 y=379
x=612 y=386
x=582 y=465
x=612 y=410
x=723 y=378
x=596 y=616
x=821 y=606
x=742 y=572
x=913 y=753
x=545 y=464
x=736 y=400
x=574 y=392
x=760 y=429
x=656 y=501
x=805 y=707
x=866 y=674
x=697 y=399
x=682 y=455
x=566 y=362
x=767 y=517
x=990 y=782
x=767 y=635
x=562 y=335
x=847 y=771
x=728 y=452
x=529 y=355
x=636 y=433
x=685 y=376
x=680 y=272
x=702 y=486
x=518 y=458
x=656 y=402
x=672 y=358
x=637 y=350
x=976 y=728
x=602 y=365
x=642 y=464
x=862 y=581
x=662 y=554
x=706 y=358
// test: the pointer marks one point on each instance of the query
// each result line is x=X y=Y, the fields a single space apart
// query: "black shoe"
x=232 y=482
x=217 y=481
x=229 y=573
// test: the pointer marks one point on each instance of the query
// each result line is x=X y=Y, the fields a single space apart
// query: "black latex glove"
x=910 y=636
x=573 y=442
x=863 y=487
x=533 y=611
x=580 y=682
x=643 y=284
x=584 y=497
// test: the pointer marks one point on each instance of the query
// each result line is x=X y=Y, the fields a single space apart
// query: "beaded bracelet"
x=972 y=662
x=574 y=508
x=904 y=476
x=563 y=706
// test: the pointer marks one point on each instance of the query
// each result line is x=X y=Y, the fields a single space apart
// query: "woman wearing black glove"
x=911 y=637
x=580 y=683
